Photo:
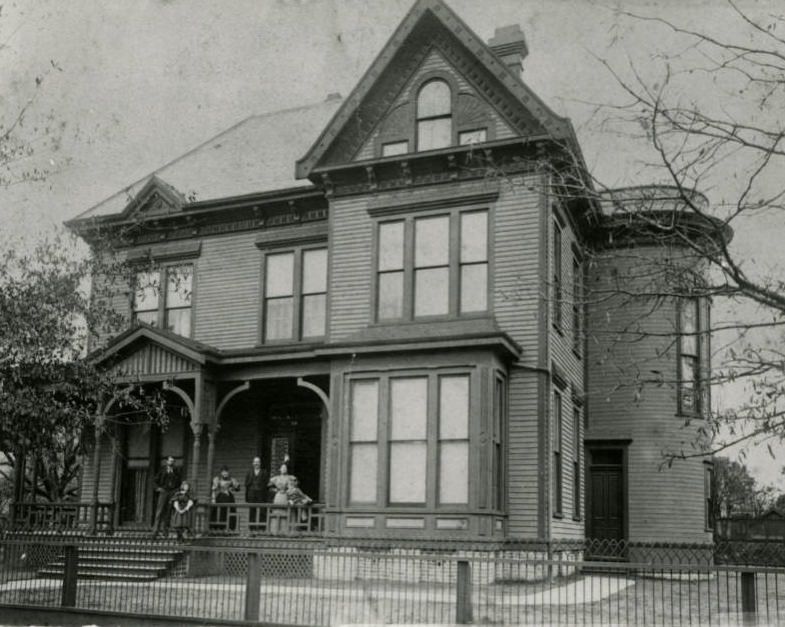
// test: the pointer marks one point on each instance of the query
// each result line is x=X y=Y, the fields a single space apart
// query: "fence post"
x=253 y=583
x=70 y=565
x=748 y=600
x=463 y=593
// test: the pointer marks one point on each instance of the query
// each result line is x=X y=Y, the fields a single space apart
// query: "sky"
x=124 y=87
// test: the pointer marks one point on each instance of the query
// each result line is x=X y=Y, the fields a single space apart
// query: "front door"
x=606 y=501
x=296 y=430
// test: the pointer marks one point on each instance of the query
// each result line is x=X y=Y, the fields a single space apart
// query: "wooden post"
x=19 y=482
x=212 y=431
x=749 y=603
x=253 y=583
x=70 y=576
x=99 y=423
x=196 y=428
x=463 y=593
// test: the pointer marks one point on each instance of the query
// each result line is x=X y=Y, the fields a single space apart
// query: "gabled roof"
x=255 y=155
x=195 y=352
x=497 y=71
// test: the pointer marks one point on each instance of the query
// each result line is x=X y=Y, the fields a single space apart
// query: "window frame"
x=298 y=296
x=163 y=270
x=432 y=502
x=454 y=266
x=709 y=496
x=557 y=241
x=576 y=461
x=577 y=306
x=696 y=358
x=430 y=118
x=557 y=447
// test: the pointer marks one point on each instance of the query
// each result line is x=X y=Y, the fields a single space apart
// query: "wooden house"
x=391 y=289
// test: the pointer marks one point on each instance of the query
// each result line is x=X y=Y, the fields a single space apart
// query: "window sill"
x=558 y=515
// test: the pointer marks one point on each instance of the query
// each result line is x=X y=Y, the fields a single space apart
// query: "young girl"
x=182 y=514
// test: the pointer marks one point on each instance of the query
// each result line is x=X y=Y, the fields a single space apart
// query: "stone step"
x=105 y=575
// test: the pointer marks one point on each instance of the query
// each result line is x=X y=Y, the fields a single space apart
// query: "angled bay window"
x=408 y=444
x=410 y=440
x=295 y=294
x=363 y=446
x=169 y=308
x=432 y=266
x=434 y=115
x=689 y=366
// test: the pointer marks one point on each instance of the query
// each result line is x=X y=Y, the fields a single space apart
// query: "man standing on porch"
x=166 y=483
x=255 y=487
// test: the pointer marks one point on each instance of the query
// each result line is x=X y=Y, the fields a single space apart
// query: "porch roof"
x=146 y=350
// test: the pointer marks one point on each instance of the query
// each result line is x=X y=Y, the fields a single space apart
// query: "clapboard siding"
x=227 y=292
x=516 y=263
x=621 y=403
x=522 y=454
x=113 y=290
x=561 y=342
x=350 y=281
x=107 y=459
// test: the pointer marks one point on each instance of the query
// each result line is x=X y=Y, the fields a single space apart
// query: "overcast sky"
x=134 y=84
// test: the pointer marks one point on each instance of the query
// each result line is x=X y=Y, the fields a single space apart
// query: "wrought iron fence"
x=326 y=581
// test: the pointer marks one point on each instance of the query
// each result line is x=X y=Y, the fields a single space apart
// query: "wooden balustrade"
x=247 y=519
x=63 y=516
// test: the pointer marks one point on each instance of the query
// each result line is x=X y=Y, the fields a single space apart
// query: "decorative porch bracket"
x=243 y=387
x=171 y=387
x=316 y=390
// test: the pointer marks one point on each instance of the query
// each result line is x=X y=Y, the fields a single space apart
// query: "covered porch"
x=217 y=416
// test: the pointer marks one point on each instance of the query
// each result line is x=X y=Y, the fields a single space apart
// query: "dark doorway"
x=295 y=429
x=606 y=502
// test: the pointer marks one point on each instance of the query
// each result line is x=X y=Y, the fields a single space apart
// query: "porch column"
x=99 y=427
x=196 y=428
x=212 y=431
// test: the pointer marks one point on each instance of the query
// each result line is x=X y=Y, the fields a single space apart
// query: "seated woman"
x=298 y=498
x=182 y=511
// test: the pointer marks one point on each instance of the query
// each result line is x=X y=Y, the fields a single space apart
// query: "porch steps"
x=118 y=561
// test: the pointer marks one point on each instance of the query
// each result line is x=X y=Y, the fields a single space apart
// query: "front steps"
x=118 y=560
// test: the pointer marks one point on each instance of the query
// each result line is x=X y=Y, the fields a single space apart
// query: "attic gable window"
x=434 y=116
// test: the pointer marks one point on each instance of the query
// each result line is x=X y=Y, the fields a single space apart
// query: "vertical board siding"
x=227 y=292
x=621 y=405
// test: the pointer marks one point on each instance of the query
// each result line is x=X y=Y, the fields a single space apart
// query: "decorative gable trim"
x=361 y=111
x=156 y=198
x=165 y=252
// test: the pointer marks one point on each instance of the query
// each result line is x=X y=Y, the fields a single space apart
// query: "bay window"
x=295 y=294
x=432 y=266
x=409 y=437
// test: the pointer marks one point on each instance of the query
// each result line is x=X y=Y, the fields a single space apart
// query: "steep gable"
x=430 y=31
x=472 y=110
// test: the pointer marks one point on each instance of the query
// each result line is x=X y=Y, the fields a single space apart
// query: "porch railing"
x=62 y=516
x=246 y=519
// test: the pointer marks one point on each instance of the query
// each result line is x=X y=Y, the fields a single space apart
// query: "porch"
x=238 y=520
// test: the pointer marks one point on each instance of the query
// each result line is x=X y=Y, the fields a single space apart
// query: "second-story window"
x=169 y=308
x=436 y=265
x=689 y=355
x=295 y=294
x=557 y=276
x=434 y=116
x=577 y=306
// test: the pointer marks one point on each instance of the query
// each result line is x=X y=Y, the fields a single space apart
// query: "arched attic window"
x=434 y=116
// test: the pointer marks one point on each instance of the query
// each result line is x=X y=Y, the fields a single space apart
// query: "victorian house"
x=390 y=288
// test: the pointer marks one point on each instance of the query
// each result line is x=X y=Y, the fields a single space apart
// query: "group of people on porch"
x=175 y=506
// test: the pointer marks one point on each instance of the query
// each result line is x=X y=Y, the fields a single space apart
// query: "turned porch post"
x=212 y=431
x=196 y=428
x=99 y=426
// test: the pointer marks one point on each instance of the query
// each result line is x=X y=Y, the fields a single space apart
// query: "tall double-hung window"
x=409 y=439
x=295 y=294
x=162 y=298
x=432 y=265
x=434 y=115
x=689 y=366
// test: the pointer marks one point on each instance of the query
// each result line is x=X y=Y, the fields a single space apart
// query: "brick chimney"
x=509 y=45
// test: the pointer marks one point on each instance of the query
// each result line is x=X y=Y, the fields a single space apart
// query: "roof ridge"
x=127 y=188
